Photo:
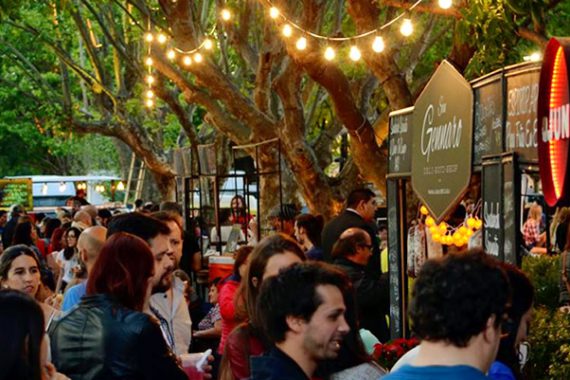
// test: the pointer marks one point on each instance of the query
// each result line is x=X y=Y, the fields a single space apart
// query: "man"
x=170 y=306
x=351 y=254
x=8 y=233
x=458 y=304
x=359 y=212
x=282 y=219
x=303 y=314
x=89 y=245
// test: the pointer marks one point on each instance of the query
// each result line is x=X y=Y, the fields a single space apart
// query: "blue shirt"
x=500 y=371
x=436 y=372
x=73 y=295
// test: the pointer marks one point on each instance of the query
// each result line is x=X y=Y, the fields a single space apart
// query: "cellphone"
x=203 y=360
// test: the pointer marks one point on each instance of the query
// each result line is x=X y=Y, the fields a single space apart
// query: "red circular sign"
x=554 y=122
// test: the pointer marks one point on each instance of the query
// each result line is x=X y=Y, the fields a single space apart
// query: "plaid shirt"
x=531 y=232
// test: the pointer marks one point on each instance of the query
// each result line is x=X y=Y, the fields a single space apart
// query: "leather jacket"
x=100 y=339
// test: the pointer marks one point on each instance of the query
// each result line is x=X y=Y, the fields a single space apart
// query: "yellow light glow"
x=354 y=53
x=208 y=44
x=226 y=14
x=424 y=210
x=429 y=221
x=161 y=38
x=535 y=57
x=198 y=58
x=149 y=103
x=378 y=45
x=148 y=37
x=149 y=94
x=273 y=12
x=171 y=54
x=287 y=30
x=187 y=61
x=407 y=27
x=148 y=61
x=301 y=43
x=150 y=79
x=120 y=186
x=445 y=4
x=329 y=53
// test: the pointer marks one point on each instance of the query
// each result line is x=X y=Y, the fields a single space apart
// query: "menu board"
x=16 y=191
x=400 y=143
x=488 y=117
x=492 y=208
x=521 y=123
x=510 y=231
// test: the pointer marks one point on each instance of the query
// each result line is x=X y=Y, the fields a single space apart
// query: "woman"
x=268 y=257
x=308 y=230
x=20 y=270
x=531 y=229
x=227 y=297
x=24 y=349
x=506 y=365
x=68 y=257
x=210 y=327
x=108 y=336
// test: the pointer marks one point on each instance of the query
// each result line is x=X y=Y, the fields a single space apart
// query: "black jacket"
x=275 y=365
x=372 y=297
x=100 y=339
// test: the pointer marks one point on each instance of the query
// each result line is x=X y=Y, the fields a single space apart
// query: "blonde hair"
x=535 y=212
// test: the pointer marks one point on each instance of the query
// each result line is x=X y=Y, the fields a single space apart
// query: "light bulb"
x=354 y=53
x=161 y=38
x=171 y=54
x=407 y=27
x=148 y=37
x=208 y=44
x=187 y=61
x=198 y=58
x=149 y=94
x=273 y=12
x=378 y=45
x=44 y=189
x=301 y=43
x=226 y=14
x=535 y=57
x=329 y=54
x=149 y=103
x=445 y=4
x=287 y=31
x=149 y=79
x=62 y=187
x=120 y=186
x=148 y=61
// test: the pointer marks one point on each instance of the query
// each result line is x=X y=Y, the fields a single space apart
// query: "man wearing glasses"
x=351 y=253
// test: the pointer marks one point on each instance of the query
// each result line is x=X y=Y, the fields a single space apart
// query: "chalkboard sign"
x=396 y=252
x=488 y=118
x=16 y=191
x=492 y=208
x=522 y=101
x=400 y=143
x=510 y=231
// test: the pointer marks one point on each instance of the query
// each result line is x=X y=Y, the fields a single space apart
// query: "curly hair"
x=453 y=297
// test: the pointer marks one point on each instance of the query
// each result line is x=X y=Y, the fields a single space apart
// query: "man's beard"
x=164 y=284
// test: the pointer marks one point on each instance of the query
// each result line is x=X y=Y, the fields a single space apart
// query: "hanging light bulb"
x=150 y=79
x=287 y=30
x=301 y=43
x=187 y=60
x=171 y=54
x=148 y=61
x=226 y=14
x=120 y=186
x=445 y=4
x=62 y=187
x=149 y=103
x=148 y=37
x=44 y=189
x=407 y=27
x=378 y=45
x=329 y=53
x=198 y=58
x=161 y=38
x=354 y=53
x=208 y=44
x=273 y=12
x=149 y=94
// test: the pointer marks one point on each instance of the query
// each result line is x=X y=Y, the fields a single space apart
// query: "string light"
x=407 y=28
x=187 y=61
x=148 y=61
x=445 y=4
x=274 y=12
x=150 y=79
x=149 y=103
x=148 y=37
x=287 y=30
x=378 y=45
x=329 y=53
x=161 y=38
x=150 y=94
x=226 y=14
x=354 y=53
x=208 y=44
x=171 y=54
x=198 y=58
x=301 y=43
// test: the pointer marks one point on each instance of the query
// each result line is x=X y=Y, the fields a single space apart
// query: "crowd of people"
x=90 y=295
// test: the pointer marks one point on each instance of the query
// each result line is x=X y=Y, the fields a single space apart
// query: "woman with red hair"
x=107 y=336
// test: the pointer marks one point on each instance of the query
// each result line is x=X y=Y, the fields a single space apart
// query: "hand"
x=207 y=368
x=50 y=373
